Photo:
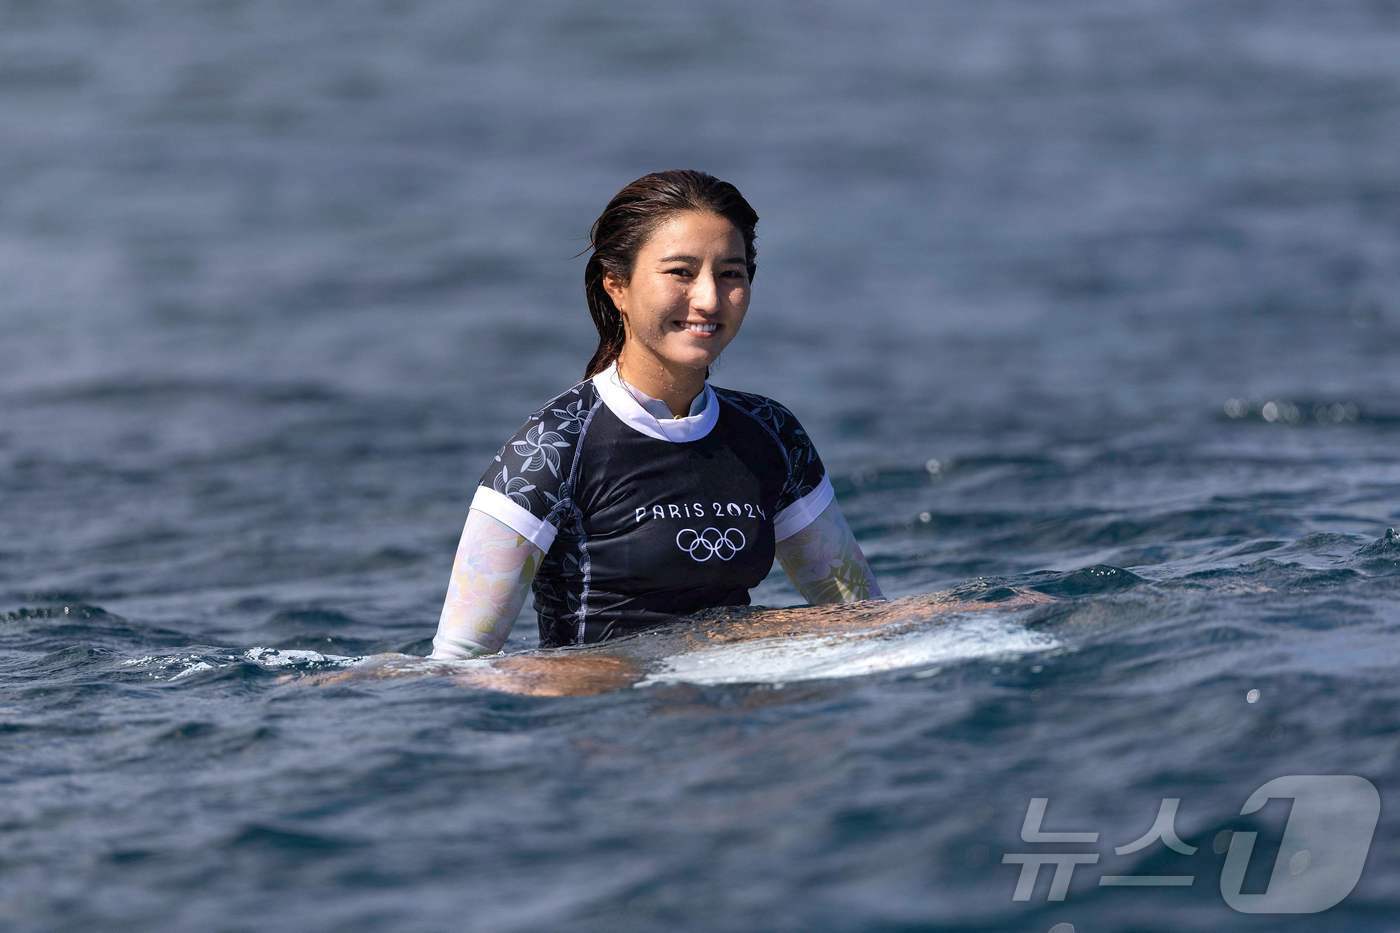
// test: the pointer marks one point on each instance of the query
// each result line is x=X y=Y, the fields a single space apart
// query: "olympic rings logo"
x=702 y=545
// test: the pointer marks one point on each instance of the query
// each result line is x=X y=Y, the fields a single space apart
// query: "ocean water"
x=1090 y=300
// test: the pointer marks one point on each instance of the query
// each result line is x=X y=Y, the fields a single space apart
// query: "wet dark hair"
x=627 y=221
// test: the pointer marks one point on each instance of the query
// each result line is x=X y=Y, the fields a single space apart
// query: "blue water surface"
x=1094 y=299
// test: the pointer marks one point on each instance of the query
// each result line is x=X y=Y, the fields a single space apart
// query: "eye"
x=682 y=271
x=736 y=274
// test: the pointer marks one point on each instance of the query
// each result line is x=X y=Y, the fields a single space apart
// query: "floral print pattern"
x=571 y=417
x=540 y=448
x=534 y=469
x=513 y=487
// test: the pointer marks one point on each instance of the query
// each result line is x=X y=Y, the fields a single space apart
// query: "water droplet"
x=1252 y=696
x=1299 y=862
x=925 y=517
x=933 y=466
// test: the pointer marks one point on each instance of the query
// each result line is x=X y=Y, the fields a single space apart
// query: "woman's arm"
x=490 y=577
x=825 y=563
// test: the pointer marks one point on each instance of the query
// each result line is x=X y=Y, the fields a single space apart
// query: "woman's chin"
x=693 y=357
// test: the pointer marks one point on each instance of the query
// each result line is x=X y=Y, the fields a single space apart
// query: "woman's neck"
x=676 y=386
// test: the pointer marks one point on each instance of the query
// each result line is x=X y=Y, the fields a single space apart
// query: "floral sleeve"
x=825 y=562
x=490 y=577
x=528 y=484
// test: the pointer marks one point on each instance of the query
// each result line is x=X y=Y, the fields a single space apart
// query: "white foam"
x=194 y=669
x=176 y=666
x=270 y=658
x=787 y=660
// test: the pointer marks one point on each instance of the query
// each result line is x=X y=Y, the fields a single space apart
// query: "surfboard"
x=750 y=645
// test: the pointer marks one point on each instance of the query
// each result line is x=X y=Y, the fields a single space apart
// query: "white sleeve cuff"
x=537 y=531
x=804 y=511
x=458 y=649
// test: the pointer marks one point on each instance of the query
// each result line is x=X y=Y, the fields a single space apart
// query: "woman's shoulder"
x=532 y=467
x=567 y=410
x=547 y=441
x=805 y=473
x=769 y=412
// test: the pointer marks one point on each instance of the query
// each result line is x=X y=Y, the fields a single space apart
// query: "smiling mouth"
x=699 y=330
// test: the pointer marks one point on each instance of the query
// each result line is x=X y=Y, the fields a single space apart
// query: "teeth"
x=701 y=328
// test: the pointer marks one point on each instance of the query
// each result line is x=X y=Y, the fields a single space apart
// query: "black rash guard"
x=644 y=519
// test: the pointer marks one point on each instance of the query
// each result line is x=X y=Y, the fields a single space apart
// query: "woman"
x=643 y=493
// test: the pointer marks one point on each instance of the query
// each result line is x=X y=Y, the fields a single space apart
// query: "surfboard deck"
x=645 y=657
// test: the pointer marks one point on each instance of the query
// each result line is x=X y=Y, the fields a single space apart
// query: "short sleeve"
x=527 y=485
x=807 y=490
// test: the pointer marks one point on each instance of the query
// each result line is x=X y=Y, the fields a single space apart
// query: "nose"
x=704 y=294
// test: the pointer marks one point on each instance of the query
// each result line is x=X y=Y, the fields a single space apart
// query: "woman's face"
x=688 y=293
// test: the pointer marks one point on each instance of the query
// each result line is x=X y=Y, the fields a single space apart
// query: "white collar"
x=633 y=411
x=660 y=409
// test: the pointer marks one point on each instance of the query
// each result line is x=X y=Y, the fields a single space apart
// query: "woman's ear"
x=616 y=288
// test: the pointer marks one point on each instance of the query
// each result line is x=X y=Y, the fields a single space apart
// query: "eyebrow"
x=740 y=260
